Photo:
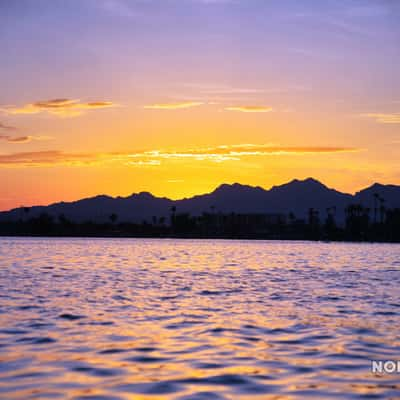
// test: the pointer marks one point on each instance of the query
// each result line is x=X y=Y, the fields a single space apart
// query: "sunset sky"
x=178 y=96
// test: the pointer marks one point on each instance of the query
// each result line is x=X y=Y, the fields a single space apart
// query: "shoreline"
x=194 y=237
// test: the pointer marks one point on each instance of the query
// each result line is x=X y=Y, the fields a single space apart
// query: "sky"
x=176 y=97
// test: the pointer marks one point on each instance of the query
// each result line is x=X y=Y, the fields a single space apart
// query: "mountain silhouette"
x=390 y=194
x=296 y=197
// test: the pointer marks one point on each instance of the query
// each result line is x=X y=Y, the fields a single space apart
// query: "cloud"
x=249 y=109
x=18 y=139
x=7 y=127
x=229 y=152
x=22 y=139
x=175 y=180
x=368 y=11
x=223 y=90
x=197 y=155
x=136 y=8
x=118 y=8
x=154 y=158
x=173 y=106
x=384 y=118
x=143 y=163
x=218 y=89
x=60 y=107
x=38 y=158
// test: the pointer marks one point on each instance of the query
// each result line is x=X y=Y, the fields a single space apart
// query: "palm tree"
x=173 y=213
x=312 y=216
x=376 y=197
x=113 y=218
x=330 y=224
x=382 y=208
x=350 y=211
x=331 y=212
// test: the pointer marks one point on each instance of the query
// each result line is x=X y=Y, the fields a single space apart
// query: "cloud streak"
x=59 y=107
x=236 y=152
x=43 y=158
x=154 y=158
x=384 y=118
x=22 y=139
x=249 y=109
x=7 y=127
x=118 y=8
x=173 y=106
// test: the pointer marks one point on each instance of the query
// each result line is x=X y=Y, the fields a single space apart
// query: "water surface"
x=191 y=319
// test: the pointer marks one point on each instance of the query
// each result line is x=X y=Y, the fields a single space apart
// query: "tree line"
x=361 y=224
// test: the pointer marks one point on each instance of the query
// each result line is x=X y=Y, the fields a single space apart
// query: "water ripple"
x=110 y=319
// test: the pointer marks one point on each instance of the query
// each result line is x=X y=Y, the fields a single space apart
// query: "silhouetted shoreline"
x=357 y=228
x=199 y=238
x=301 y=210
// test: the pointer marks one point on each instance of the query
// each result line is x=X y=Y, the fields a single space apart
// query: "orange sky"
x=125 y=99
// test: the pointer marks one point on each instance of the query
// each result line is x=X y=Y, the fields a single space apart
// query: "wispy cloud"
x=22 y=139
x=59 y=107
x=15 y=139
x=118 y=8
x=368 y=10
x=134 y=8
x=40 y=158
x=212 y=89
x=339 y=21
x=249 y=109
x=144 y=163
x=230 y=152
x=7 y=127
x=218 y=89
x=384 y=118
x=175 y=180
x=154 y=158
x=173 y=106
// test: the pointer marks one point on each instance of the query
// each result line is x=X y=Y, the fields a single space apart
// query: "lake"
x=197 y=319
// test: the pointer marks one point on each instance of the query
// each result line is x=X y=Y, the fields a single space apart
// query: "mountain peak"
x=142 y=195
x=312 y=180
x=304 y=184
x=309 y=181
x=377 y=188
x=377 y=185
x=235 y=187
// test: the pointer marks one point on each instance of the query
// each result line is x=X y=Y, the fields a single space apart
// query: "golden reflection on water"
x=153 y=319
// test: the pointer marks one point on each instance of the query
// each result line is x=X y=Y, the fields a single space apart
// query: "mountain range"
x=297 y=196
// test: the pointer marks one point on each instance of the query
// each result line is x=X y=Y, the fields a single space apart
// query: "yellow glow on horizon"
x=179 y=154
